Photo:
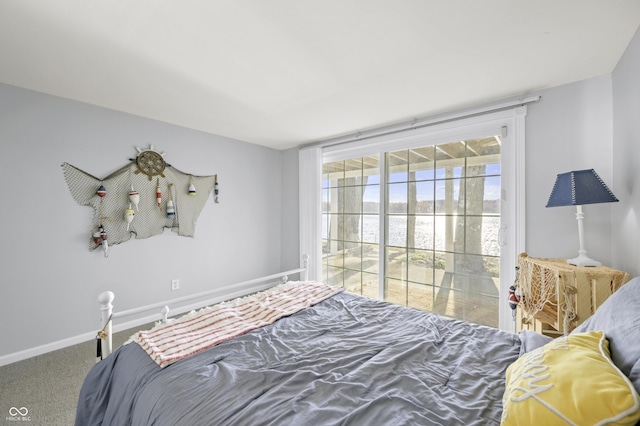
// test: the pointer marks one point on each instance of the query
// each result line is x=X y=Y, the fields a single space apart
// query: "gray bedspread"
x=348 y=360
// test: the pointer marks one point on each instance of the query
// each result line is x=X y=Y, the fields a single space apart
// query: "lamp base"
x=583 y=260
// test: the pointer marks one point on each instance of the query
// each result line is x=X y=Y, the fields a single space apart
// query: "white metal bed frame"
x=204 y=298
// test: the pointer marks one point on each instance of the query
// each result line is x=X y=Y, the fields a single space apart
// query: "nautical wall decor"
x=120 y=211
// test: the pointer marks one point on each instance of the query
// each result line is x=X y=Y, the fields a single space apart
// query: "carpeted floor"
x=48 y=385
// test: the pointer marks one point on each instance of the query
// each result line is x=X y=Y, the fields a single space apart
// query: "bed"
x=345 y=359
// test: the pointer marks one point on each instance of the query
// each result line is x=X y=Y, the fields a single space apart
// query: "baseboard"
x=43 y=349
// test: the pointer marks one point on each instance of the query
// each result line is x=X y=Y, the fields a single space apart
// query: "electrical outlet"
x=175 y=284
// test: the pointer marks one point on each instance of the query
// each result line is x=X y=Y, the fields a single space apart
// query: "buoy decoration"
x=514 y=298
x=159 y=195
x=101 y=191
x=134 y=198
x=100 y=238
x=129 y=215
x=171 y=211
x=192 y=187
x=215 y=189
x=105 y=244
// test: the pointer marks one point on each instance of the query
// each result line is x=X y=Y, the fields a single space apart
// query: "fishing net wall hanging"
x=140 y=199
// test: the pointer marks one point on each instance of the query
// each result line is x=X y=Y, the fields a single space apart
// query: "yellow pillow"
x=570 y=380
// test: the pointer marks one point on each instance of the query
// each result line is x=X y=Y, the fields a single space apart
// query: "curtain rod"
x=419 y=123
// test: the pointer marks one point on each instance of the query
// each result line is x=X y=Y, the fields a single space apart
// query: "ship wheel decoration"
x=150 y=162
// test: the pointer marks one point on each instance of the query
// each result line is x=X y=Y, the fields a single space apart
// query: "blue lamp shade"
x=578 y=188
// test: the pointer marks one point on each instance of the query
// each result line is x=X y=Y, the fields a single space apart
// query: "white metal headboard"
x=105 y=300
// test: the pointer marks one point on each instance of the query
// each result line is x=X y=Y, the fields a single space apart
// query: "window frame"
x=508 y=123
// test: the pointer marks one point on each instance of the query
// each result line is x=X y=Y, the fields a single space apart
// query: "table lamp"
x=576 y=189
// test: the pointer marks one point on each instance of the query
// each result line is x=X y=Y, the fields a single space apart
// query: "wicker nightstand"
x=556 y=297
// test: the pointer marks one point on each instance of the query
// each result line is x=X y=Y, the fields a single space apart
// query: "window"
x=351 y=224
x=430 y=218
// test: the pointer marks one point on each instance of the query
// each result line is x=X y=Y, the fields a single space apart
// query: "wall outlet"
x=175 y=284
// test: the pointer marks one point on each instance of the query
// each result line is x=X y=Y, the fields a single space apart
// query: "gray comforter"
x=345 y=361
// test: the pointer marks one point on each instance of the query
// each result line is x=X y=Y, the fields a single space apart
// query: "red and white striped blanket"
x=197 y=331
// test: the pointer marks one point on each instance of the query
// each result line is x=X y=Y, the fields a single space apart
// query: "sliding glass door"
x=438 y=212
x=431 y=216
x=351 y=224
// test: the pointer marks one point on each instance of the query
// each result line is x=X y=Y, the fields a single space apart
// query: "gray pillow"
x=619 y=318
x=530 y=340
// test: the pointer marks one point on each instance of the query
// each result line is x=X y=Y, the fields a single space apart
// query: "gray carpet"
x=48 y=385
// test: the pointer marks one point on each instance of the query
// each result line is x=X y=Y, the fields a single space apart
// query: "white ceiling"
x=281 y=73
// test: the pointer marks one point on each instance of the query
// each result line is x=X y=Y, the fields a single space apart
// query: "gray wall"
x=570 y=128
x=626 y=156
x=589 y=124
x=49 y=280
x=290 y=208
